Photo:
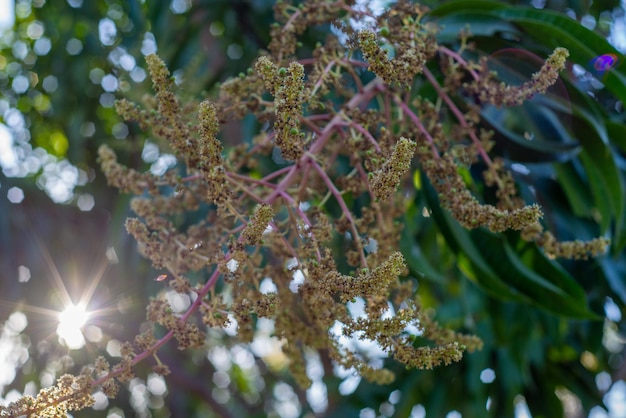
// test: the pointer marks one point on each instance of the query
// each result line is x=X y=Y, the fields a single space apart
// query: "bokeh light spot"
x=102 y=401
x=156 y=385
x=234 y=51
x=217 y=28
x=50 y=84
x=107 y=100
x=17 y=322
x=15 y=195
x=127 y=62
x=19 y=50
x=74 y=46
x=487 y=376
x=23 y=274
x=35 y=30
x=138 y=74
x=268 y=286
x=87 y=129
x=85 y=202
x=115 y=12
x=148 y=46
x=95 y=75
x=107 y=31
x=150 y=152
x=20 y=84
x=41 y=102
x=180 y=6
x=23 y=10
x=93 y=333
x=42 y=46
x=114 y=348
x=120 y=130
x=58 y=143
x=612 y=311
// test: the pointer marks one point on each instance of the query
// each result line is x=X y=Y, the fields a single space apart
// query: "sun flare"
x=71 y=321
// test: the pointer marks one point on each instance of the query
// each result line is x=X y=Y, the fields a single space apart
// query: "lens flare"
x=541 y=123
x=603 y=63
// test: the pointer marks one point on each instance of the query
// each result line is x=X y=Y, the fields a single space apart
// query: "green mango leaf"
x=489 y=261
x=619 y=237
x=463 y=6
x=548 y=28
x=480 y=24
x=575 y=189
x=615 y=270
x=557 y=30
x=617 y=134
x=561 y=296
x=603 y=176
x=598 y=191
x=536 y=260
x=471 y=261
x=418 y=263
x=542 y=147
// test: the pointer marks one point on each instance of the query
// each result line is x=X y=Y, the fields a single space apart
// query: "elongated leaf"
x=493 y=264
x=416 y=260
x=604 y=178
x=480 y=24
x=498 y=251
x=617 y=134
x=553 y=272
x=615 y=271
x=575 y=189
x=598 y=191
x=565 y=298
x=471 y=260
x=548 y=28
x=619 y=238
x=556 y=30
x=463 y=6
x=521 y=149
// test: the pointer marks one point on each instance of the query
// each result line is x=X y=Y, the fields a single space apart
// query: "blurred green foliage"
x=64 y=63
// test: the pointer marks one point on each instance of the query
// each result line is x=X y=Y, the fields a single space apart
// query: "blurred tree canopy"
x=64 y=63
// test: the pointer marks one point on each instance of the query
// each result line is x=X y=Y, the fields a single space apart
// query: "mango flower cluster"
x=330 y=170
